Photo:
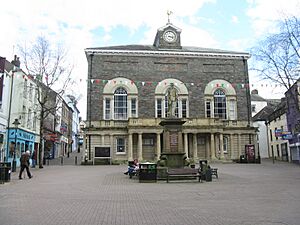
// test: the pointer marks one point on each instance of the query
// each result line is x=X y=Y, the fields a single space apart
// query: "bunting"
x=160 y=83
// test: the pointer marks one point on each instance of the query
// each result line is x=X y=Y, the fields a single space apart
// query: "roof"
x=263 y=114
x=148 y=49
x=153 y=48
x=257 y=98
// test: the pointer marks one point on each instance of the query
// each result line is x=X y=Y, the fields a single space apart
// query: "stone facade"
x=145 y=73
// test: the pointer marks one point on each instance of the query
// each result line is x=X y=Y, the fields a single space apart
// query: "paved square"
x=244 y=194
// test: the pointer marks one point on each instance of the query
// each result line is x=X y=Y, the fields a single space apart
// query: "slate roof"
x=153 y=48
x=257 y=98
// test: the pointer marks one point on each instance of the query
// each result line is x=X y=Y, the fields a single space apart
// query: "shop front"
x=19 y=142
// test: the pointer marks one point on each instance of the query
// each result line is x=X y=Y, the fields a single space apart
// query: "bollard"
x=76 y=160
x=48 y=162
x=62 y=161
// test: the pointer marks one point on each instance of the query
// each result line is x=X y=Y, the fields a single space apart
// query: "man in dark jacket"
x=25 y=164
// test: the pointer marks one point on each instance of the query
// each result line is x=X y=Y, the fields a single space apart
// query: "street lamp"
x=14 y=164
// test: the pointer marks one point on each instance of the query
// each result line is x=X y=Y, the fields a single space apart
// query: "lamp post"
x=14 y=164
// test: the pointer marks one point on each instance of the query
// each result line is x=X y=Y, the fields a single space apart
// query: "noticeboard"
x=250 y=153
x=102 y=152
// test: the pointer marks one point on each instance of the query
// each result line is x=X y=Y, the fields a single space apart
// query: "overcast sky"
x=225 y=24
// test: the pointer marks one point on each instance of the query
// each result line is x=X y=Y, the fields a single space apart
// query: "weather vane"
x=169 y=13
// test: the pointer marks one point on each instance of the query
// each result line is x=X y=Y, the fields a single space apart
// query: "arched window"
x=120 y=99
x=120 y=104
x=161 y=99
x=220 y=100
x=220 y=104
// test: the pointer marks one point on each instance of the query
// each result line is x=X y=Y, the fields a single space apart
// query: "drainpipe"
x=90 y=103
x=9 y=114
x=247 y=94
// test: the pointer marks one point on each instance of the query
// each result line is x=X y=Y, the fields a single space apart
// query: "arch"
x=113 y=84
x=164 y=85
x=224 y=85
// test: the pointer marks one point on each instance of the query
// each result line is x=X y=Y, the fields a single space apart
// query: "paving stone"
x=244 y=194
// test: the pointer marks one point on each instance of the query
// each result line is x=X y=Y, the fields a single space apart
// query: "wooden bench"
x=183 y=173
x=214 y=171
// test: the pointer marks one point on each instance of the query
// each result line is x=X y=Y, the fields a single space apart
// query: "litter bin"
x=147 y=172
x=208 y=176
x=5 y=170
x=243 y=159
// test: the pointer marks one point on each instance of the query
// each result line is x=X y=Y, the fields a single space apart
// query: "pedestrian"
x=25 y=164
x=33 y=156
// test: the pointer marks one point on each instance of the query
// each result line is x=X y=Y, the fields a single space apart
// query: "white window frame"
x=130 y=101
x=105 y=116
x=232 y=111
x=164 y=107
x=117 y=146
x=215 y=96
x=225 y=144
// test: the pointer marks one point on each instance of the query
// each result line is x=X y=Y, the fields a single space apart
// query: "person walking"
x=33 y=157
x=25 y=164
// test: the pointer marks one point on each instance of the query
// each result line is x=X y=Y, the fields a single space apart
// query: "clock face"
x=170 y=36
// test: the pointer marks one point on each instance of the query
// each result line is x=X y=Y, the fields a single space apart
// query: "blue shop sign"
x=22 y=135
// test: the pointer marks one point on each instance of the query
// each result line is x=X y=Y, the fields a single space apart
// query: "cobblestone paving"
x=244 y=194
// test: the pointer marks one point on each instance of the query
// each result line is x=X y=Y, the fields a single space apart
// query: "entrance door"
x=284 y=152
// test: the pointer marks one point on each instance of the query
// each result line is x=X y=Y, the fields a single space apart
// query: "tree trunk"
x=41 y=146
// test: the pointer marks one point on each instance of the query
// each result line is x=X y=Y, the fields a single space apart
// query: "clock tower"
x=168 y=37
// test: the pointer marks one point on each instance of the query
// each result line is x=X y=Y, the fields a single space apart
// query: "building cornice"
x=166 y=53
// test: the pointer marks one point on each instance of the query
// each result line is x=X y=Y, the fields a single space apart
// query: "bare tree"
x=49 y=67
x=277 y=57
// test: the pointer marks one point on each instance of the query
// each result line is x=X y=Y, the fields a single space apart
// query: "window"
x=221 y=100
x=133 y=108
x=253 y=108
x=232 y=112
x=181 y=103
x=120 y=145
x=166 y=106
x=107 y=109
x=184 y=108
x=30 y=91
x=25 y=89
x=29 y=119
x=116 y=104
x=120 y=104
x=225 y=144
x=208 y=109
x=148 y=141
x=1 y=88
x=34 y=122
x=220 y=104
x=271 y=137
x=159 y=107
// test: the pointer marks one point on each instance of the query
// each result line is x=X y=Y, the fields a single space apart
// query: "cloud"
x=263 y=13
x=234 y=19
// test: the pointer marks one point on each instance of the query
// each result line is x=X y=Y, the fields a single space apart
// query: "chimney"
x=254 y=92
x=16 y=62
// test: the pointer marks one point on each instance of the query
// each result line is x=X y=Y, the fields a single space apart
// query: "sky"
x=235 y=25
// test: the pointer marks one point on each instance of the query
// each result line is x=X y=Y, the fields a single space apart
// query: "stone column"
x=213 y=147
x=140 y=147
x=232 y=155
x=221 y=146
x=195 y=147
x=239 y=144
x=158 y=146
x=207 y=154
x=111 y=147
x=186 y=145
x=102 y=139
x=130 y=151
